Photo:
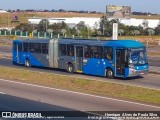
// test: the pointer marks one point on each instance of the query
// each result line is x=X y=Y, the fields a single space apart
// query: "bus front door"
x=120 y=62
x=78 y=58
x=17 y=52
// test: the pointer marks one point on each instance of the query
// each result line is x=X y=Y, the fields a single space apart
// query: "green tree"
x=71 y=31
x=136 y=32
x=78 y=32
x=106 y=26
x=43 y=25
x=64 y=25
x=57 y=27
x=145 y=24
x=24 y=27
x=157 y=30
x=151 y=31
x=120 y=32
x=50 y=31
x=63 y=31
x=83 y=30
x=81 y=25
x=96 y=26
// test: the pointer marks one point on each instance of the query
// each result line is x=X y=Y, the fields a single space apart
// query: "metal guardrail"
x=37 y=34
x=26 y=34
x=51 y=35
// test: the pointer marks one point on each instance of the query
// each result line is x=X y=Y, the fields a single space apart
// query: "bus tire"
x=109 y=73
x=27 y=63
x=70 y=68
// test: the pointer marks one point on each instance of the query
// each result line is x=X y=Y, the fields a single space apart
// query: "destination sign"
x=137 y=49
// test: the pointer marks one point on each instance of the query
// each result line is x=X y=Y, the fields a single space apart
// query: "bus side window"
x=108 y=53
x=31 y=47
x=62 y=49
x=38 y=48
x=70 y=50
x=95 y=52
x=19 y=47
x=91 y=51
x=25 y=47
x=98 y=51
x=44 y=48
x=88 y=52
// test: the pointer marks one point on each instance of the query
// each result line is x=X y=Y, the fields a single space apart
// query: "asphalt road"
x=13 y=103
x=17 y=105
x=57 y=99
x=6 y=49
x=154 y=61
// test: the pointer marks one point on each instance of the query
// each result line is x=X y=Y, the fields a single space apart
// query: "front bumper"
x=133 y=72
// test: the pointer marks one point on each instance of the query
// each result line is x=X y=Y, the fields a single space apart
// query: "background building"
x=3 y=11
x=90 y=22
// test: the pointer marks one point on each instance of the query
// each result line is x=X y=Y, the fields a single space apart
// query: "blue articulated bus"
x=110 y=58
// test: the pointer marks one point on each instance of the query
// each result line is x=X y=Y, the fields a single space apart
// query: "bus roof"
x=112 y=43
x=33 y=40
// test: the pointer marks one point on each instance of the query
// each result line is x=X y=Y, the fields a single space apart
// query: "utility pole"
x=46 y=25
x=8 y=20
x=103 y=23
x=88 y=30
x=115 y=31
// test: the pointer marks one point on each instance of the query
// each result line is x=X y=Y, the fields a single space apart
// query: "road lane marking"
x=85 y=94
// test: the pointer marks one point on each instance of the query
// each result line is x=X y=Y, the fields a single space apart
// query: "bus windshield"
x=137 y=57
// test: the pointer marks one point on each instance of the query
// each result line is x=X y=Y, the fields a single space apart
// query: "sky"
x=152 y=6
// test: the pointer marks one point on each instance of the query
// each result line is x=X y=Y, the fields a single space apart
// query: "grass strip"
x=81 y=85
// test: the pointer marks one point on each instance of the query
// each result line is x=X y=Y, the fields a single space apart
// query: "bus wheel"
x=27 y=63
x=70 y=68
x=110 y=73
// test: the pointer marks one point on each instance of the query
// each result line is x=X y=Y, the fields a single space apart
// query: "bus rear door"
x=78 y=58
x=120 y=62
